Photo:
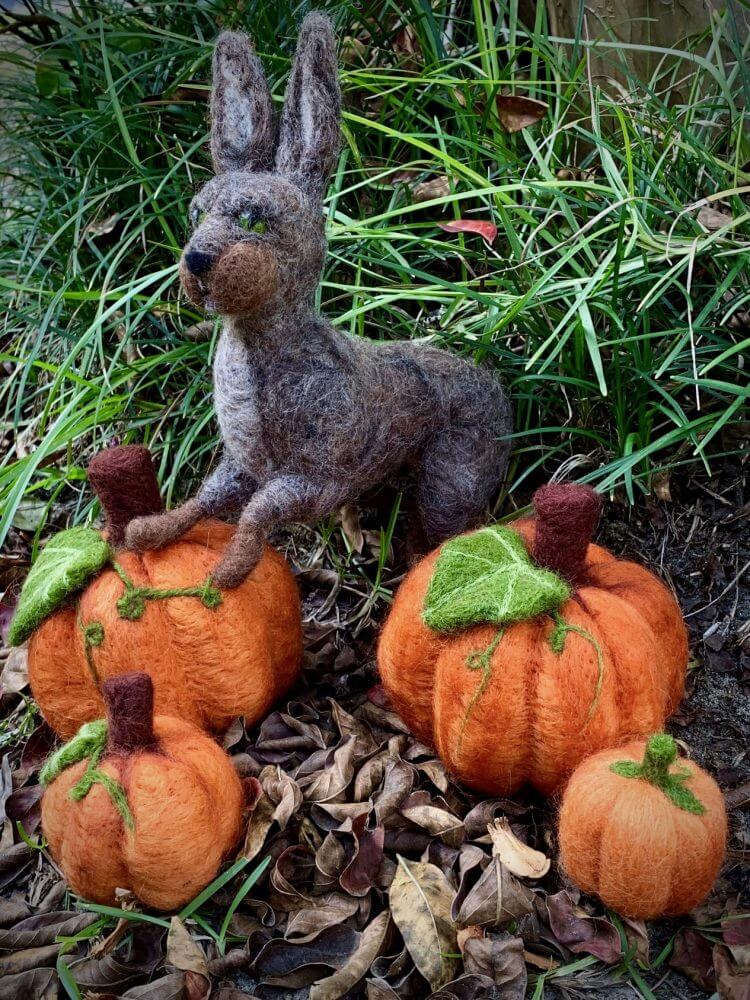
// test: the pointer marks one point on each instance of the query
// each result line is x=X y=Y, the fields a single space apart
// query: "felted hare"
x=311 y=418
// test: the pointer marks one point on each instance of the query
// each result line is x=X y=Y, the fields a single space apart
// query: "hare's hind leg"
x=461 y=468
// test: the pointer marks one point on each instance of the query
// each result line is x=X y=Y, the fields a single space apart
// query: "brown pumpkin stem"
x=130 y=712
x=124 y=479
x=566 y=516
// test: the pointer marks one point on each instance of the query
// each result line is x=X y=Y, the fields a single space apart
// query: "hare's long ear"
x=309 y=136
x=242 y=125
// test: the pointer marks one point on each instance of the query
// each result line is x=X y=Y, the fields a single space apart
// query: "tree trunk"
x=666 y=24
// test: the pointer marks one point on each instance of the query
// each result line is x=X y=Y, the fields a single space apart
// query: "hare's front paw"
x=152 y=532
x=240 y=558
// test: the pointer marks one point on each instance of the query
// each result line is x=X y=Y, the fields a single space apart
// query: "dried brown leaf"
x=329 y=910
x=420 y=897
x=497 y=899
x=500 y=958
x=169 y=987
x=12 y=910
x=579 y=932
x=712 y=219
x=692 y=956
x=330 y=781
x=292 y=965
x=518 y=858
x=372 y=941
x=43 y=929
x=517 y=112
x=436 y=187
x=732 y=980
x=351 y=528
x=182 y=951
x=28 y=959
x=15 y=676
x=35 y=984
x=418 y=809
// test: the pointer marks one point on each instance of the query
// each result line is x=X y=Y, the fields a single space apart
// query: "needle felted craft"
x=516 y=651
x=311 y=417
x=643 y=830
x=94 y=609
x=141 y=803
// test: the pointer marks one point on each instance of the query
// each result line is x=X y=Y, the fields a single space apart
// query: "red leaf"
x=487 y=230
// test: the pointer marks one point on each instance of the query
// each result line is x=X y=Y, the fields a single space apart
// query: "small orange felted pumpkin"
x=584 y=649
x=95 y=610
x=140 y=803
x=643 y=831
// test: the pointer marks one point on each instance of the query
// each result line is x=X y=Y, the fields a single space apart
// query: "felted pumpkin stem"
x=130 y=713
x=566 y=516
x=658 y=757
x=124 y=479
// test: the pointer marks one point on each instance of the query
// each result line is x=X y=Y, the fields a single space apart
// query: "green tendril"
x=557 y=644
x=93 y=636
x=660 y=754
x=479 y=660
x=132 y=604
x=93 y=776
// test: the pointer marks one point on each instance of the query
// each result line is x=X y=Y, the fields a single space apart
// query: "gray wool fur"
x=311 y=418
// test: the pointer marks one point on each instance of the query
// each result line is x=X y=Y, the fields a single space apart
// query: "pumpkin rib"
x=246 y=689
x=277 y=590
x=87 y=870
x=655 y=603
x=150 y=635
x=167 y=870
x=625 y=877
x=570 y=714
x=193 y=686
x=59 y=675
x=493 y=740
x=582 y=829
x=704 y=833
x=635 y=694
x=408 y=652
x=181 y=742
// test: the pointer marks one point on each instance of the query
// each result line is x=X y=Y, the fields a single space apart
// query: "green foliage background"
x=618 y=320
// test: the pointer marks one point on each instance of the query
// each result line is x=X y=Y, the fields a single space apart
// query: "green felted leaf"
x=65 y=565
x=88 y=742
x=488 y=576
x=658 y=758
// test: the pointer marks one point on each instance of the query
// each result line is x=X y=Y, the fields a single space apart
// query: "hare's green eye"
x=197 y=215
x=252 y=224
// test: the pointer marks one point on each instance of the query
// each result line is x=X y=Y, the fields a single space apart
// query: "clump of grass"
x=618 y=319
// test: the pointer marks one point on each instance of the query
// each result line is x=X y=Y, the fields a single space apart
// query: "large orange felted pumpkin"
x=519 y=650
x=94 y=610
x=643 y=831
x=141 y=803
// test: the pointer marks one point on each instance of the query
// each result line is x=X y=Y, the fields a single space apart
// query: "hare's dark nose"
x=198 y=263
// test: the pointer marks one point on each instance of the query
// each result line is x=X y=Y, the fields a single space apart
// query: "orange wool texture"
x=625 y=841
x=186 y=800
x=534 y=721
x=208 y=665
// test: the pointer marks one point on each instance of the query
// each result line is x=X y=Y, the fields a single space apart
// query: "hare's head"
x=258 y=240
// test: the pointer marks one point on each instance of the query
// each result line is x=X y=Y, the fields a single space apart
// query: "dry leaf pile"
x=385 y=879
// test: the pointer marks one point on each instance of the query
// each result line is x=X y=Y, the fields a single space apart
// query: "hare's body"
x=312 y=418
x=344 y=414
